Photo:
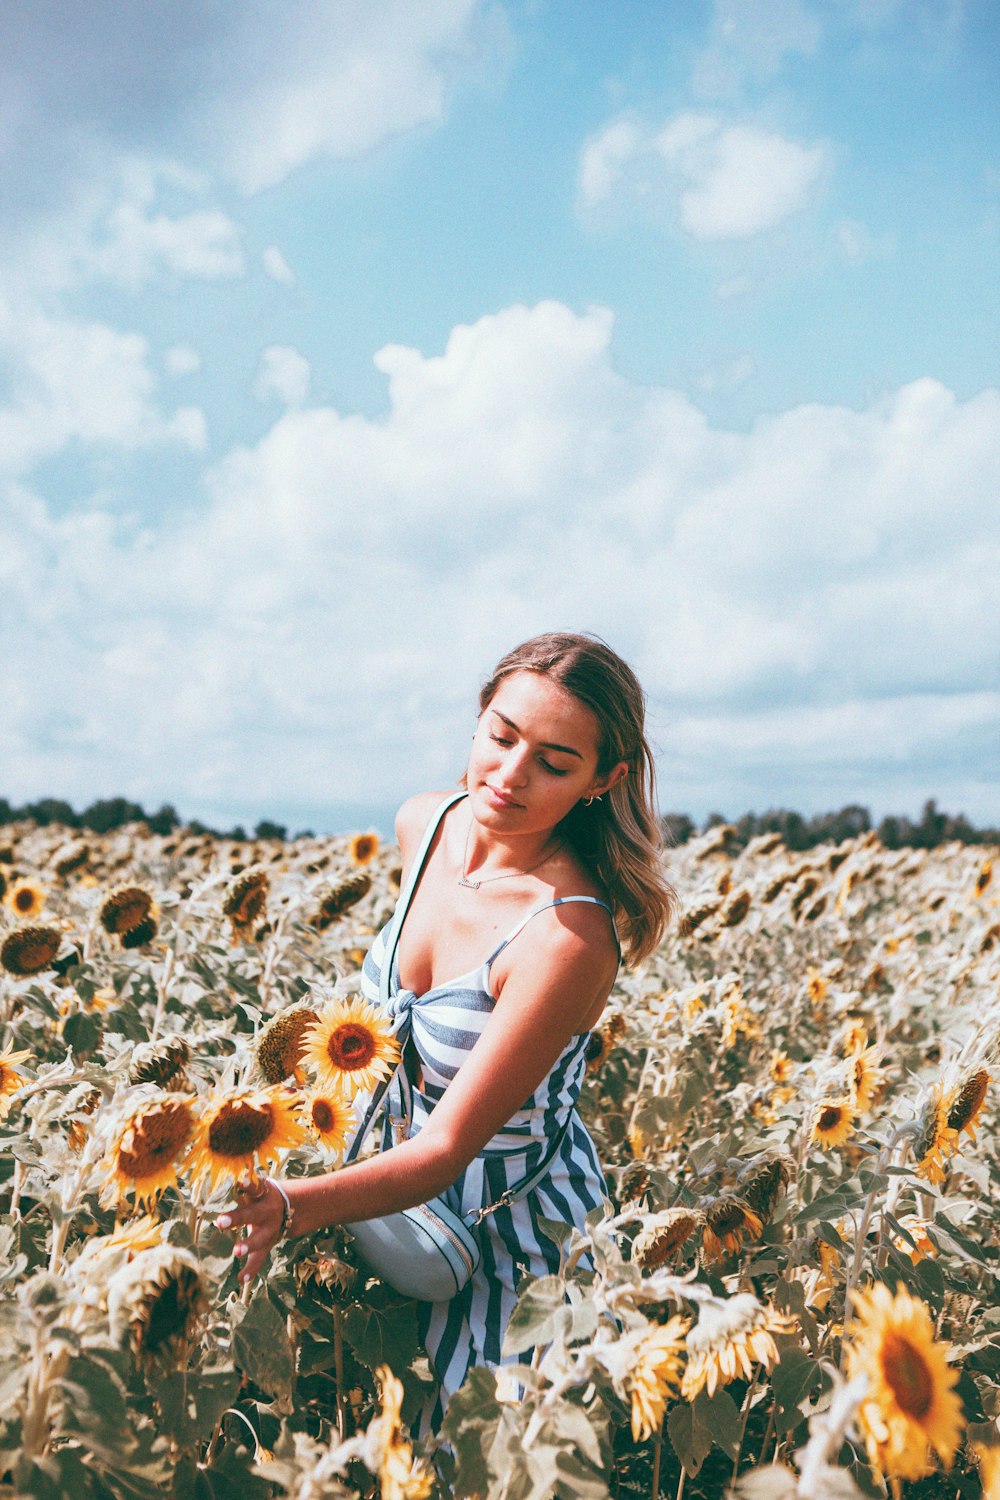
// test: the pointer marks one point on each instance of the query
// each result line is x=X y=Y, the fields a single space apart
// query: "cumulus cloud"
x=749 y=41
x=181 y=359
x=728 y=181
x=320 y=620
x=253 y=90
x=277 y=267
x=284 y=375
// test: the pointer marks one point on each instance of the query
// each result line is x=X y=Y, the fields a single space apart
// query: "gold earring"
x=589 y=800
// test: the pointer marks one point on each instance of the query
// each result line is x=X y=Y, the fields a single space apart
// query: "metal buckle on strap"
x=477 y=1215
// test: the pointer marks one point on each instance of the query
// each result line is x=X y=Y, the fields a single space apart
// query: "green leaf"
x=262 y=1349
x=690 y=1439
x=82 y=1032
x=382 y=1335
x=191 y=1402
x=537 y=1316
x=794 y=1378
x=721 y=1415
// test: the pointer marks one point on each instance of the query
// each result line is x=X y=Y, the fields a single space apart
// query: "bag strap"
x=524 y=1186
x=388 y=959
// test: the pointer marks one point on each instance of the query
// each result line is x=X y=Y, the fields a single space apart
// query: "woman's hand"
x=262 y=1213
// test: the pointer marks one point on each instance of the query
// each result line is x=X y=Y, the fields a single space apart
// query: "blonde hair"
x=618 y=838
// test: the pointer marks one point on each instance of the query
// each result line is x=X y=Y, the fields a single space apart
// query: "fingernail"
x=223 y=1221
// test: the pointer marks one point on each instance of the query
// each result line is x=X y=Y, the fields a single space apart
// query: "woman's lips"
x=501 y=798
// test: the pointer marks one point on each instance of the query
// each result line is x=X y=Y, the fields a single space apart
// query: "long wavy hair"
x=618 y=838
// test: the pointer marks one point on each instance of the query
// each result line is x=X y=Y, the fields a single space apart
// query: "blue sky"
x=342 y=346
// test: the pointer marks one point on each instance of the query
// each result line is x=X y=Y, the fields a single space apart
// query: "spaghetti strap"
x=559 y=901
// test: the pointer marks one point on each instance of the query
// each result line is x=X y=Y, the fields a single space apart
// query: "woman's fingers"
x=262 y=1225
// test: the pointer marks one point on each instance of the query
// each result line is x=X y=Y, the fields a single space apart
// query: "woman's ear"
x=612 y=779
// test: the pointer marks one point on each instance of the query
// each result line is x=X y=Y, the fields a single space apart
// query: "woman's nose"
x=515 y=768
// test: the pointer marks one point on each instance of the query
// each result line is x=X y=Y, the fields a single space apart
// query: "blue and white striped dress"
x=447 y=1021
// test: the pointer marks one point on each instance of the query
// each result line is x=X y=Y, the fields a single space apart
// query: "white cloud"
x=203 y=244
x=74 y=381
x=815 y=600
x=277 y=267
x=284 y=374
x=728 y=181
x=749 y=41
x=181 y=359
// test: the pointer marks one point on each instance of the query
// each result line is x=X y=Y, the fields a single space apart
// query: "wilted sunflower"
x=25 y=898
x=338 y=899
x=762 y=1182
x=832 y=1123
x=158 y=1301
x=278 y=1047
x=142 y=933
x=665 y=1234
x=126 y=909
x=151 y=1146
x=728 y=1220
x=77 y=1130
x=634 y=1182
x=401 y=1478
x=244 y=1130
x=728 y=1340
x=70 y=857
x=966 y=1103
x=910 y=1405
x=29 y=950
x=736 y=908
x=599 y=1046
x=10 y=1078
x=363 y=848
x=350 y=1047
x=162 y=1063
x=934 y=1140
x=655 y=1374
x=330 y=1117
x=245 y=899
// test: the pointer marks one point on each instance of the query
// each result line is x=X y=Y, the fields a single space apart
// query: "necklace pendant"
x=472 y=885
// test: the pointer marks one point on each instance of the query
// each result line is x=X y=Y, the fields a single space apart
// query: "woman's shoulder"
x=414 y=815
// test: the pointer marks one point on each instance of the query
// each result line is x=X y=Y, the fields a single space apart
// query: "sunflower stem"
x=161 y=992
x=338 y=1371
x=680 y=1483
x=751 y=1388
x=657 y=1454
x=884 y=1158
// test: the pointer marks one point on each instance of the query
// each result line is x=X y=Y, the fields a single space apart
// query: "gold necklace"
x=473 y=885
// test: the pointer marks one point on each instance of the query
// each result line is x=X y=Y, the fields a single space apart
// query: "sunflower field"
x=795 y=1291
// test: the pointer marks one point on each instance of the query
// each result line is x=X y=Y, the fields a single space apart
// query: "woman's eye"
x=554 y=769
x=498 y=741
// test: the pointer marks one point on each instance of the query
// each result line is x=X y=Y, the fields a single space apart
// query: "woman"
x=553 y=843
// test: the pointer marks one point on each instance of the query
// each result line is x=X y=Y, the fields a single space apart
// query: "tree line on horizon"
x=895 y=831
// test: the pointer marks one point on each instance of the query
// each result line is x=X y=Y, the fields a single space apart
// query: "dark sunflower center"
x=159 y=1138
x=24 y=900
x=323 y=1116
x=907 y=1376
x=238 y=1129
x=351 y=1047
x=726 y=1218
x=830 y=1116
x=166 y=1317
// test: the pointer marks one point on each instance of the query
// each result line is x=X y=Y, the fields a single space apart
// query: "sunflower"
x=10 y=1078
x=244 y=1130
x=922 y=1244
x=158 y=1302
x=126 y=909
x=151 y=1146
x=142 y=933
x=339 y=898
x=988 y=1459
x=162 y=1063
x=816 y=987
x=69 y=858
x=984 y=877
x=29 y=950
x=655 y=1374
x=350 y=1047
x=400 y=1477
x=278 y=1048
x=966 y=1103
x=245 y=899
x=763 y=1180
x=599 y=1046
x=330 y=1117
x=737 y=908
x=934 y=1139
x=77 y=1130
x=665 y=1234
x=634 y=1182
x=832 y=1122
x=910 y=1405
x=864 y=1078
x=727 y=1220
x=26 y=899
x=781 y=1066
x=363 y=848
x=854 y=1037
x=728 y=1340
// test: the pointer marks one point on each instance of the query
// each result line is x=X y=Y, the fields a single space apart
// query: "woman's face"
x=534 y=755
